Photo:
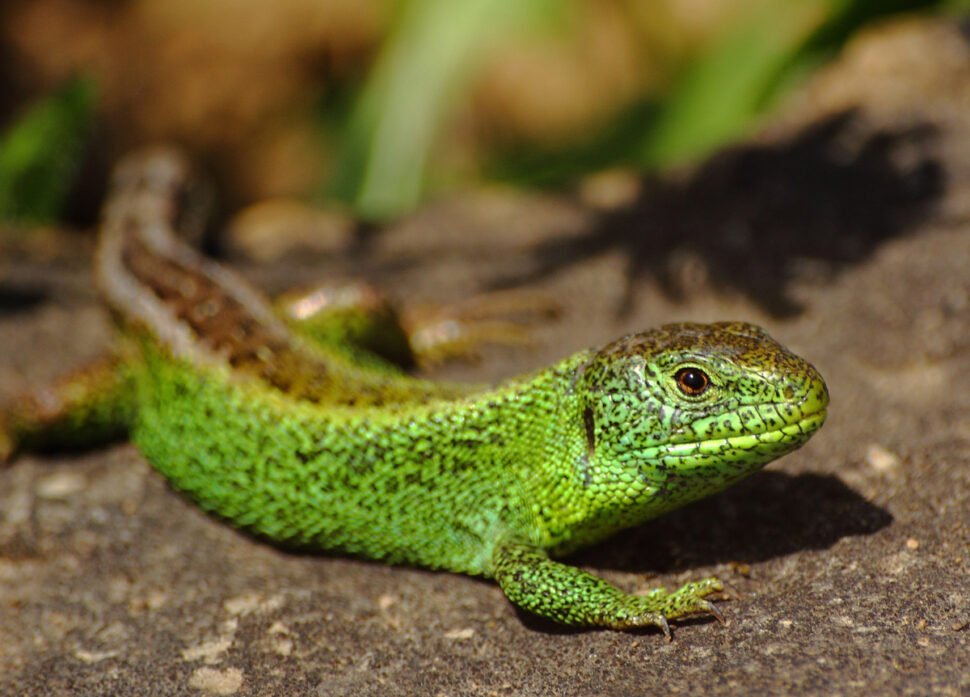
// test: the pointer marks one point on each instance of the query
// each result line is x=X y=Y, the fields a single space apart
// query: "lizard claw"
x=665 y=627
x=729 y=591
x=708 y=606
x=648 y=619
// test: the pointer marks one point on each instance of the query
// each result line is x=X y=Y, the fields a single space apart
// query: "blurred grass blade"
x=744 y=71
x=718 y=95
x=433 y=49
x=40 y=153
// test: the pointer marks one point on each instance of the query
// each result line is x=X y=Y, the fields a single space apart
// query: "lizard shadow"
x=769 y=515
x=755 y=217
x=15 y=299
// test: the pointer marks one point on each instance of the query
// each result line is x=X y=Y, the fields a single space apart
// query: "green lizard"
x=301 y=443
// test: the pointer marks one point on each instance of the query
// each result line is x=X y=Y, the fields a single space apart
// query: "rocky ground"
x=842 y=228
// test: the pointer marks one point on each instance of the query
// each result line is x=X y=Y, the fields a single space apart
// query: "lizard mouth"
x=795 y=433
x=814 y=421
x=759 y=445
x=804 y=427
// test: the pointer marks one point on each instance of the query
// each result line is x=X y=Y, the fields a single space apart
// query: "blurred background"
x=370 y=107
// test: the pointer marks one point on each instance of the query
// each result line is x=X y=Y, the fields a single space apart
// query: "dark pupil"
x=692 y=381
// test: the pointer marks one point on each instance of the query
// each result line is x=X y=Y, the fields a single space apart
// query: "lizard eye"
x=692 y=381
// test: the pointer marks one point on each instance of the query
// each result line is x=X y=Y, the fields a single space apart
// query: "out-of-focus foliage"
x=421 y=70
x=374 y=103
x=747 y=67
x=431 y=53
x=40 y=153
x=718 y=94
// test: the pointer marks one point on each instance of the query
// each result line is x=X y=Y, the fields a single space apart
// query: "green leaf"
x=746 y=69
x=426 y=63
x=40 y=153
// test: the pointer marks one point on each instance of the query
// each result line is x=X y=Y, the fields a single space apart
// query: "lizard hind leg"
x=355 y=316
x=87 y=407
x=457 y=330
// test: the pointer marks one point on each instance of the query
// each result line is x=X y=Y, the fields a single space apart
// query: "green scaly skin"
x=297 y=444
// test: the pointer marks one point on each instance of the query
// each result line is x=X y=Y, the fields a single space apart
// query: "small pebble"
x=217 y=682
x=881 y=459
x=60 y=485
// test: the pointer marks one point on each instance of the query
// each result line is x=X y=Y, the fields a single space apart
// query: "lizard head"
x=682 y=411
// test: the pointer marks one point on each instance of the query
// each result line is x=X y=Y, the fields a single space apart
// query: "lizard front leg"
x=569 y=595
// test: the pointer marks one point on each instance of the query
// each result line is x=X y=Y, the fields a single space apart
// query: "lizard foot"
x=660 y=605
